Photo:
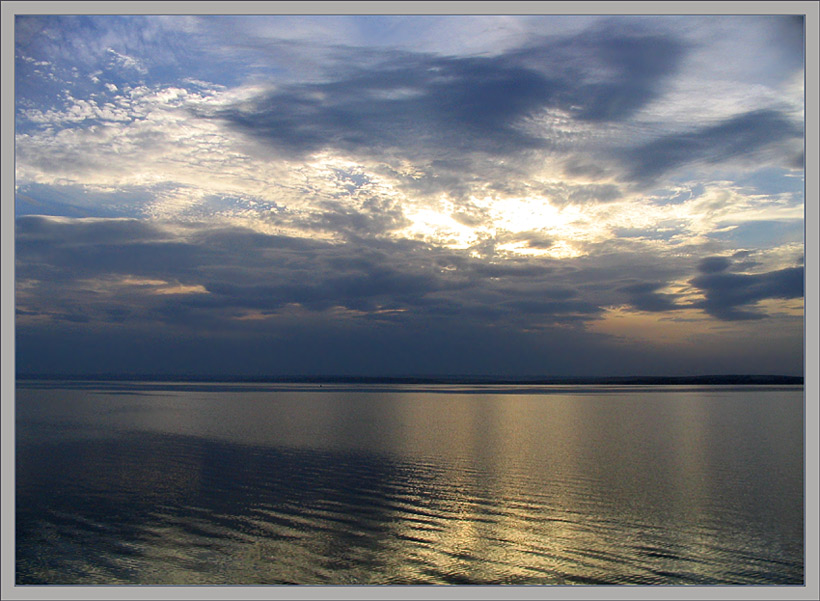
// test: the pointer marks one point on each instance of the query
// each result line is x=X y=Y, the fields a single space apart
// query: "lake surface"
x=156 y=483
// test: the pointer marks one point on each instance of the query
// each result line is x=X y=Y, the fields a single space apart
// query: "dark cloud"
x=358 y=291
x=713 y=264
x=337 y=298
x=638 y=62
x=540 y=243
x=406 y=102
x=738 y=136
x=413 y=101
x=166 y=260
x=644 y=296
x=729 y=296
x=534 y=239
x=65 y=249
x=719 y=264
x=86 y=232
x=95 y=269
x=373 y=216
x=438 y=108
x=508 y=269
x=243 y=240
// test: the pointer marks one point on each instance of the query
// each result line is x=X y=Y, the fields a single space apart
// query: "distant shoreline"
x=712 y=380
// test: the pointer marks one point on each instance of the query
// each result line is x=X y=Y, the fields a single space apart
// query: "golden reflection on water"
x=401 y=487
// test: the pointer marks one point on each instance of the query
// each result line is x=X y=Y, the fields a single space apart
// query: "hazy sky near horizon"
x=404 y=195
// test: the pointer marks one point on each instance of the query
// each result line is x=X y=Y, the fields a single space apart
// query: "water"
x=151 y=483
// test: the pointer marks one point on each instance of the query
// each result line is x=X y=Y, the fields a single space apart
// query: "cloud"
x=62 y=249
x=731 y=296
x=65 y=260
x=457 y=104
x=85 y=232
x=124 y=61
x=408 y=127
x=741 y=135
x=715 y=264
x=637 y=62
x=644 y=296
x=372 y=217
x=462 y=104
x=217 y=284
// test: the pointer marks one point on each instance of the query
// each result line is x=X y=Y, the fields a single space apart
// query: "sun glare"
x=440 y=228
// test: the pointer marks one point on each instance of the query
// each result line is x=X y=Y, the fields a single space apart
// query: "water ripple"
x=152 y=507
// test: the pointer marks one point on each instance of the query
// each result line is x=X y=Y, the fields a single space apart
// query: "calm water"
x=248 y=484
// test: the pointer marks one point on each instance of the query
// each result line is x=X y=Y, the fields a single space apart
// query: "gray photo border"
x=810 y=9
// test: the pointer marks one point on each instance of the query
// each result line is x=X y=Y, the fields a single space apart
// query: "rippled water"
x=250 y=484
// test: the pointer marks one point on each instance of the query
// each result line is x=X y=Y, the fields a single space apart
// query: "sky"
x=409 y=195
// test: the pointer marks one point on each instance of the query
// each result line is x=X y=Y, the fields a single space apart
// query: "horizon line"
x=426 y=379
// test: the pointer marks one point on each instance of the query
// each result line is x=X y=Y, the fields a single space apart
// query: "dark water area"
x=157 y=483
